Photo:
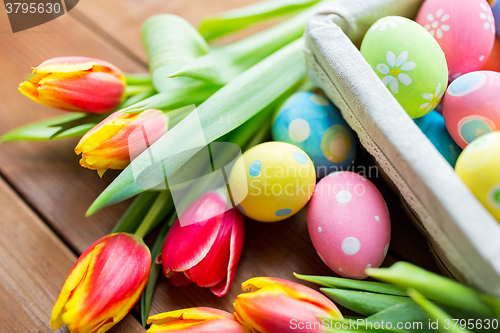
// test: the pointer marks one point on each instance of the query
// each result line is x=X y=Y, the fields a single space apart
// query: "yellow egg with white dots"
x=272 y=181
x=479 y=168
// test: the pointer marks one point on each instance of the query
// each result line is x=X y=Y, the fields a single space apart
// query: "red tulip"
x=278 y=306
x=195 y=320
x=104 y=284
x=207 y=249
x=76 y=84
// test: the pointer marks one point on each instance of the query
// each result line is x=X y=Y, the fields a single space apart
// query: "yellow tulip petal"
x=29 y=90
x=73 y=281
x=200 y=314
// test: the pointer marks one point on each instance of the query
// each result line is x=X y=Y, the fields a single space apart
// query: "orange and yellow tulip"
x=278 y=306
x=76 y=84
x=119 y=138
x=195 y=320
x=104 y=284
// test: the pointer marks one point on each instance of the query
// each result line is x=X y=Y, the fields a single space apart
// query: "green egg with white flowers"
x=409 y=62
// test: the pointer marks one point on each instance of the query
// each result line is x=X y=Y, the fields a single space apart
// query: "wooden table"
x=44 y=193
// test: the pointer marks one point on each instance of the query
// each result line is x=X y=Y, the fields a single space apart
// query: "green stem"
x=138 y=79
x=129 y=222
x=134 y=90
x=260 y=136
x=147 y=295
x=162 y=203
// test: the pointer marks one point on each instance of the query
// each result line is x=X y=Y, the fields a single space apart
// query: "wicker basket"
x=462 y=233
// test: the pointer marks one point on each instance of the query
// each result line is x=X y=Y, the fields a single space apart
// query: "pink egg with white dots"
x=465 y=30
x=471 y=106
x=349 y=224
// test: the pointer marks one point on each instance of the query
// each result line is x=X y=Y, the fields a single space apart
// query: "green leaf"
x=494 y=303
x=135 y=213
x=176 y=97
x=159 y=210
x=225 y=63
x=138 y=79
x=335 y=282
x=237 y=102
x=403 y=313
x=147 y=295
x=435 y=313
x=170 y=42
x=435 y=287
x=67 y=125
x=362 y=302
x=226 y=22
x=413 y=314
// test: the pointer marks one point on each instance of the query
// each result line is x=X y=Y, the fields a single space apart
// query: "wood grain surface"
x=45 y=193
x=33 y=267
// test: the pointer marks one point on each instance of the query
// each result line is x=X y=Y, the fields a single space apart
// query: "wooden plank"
x=122 y=19
x=47 y=174
x=33 y=268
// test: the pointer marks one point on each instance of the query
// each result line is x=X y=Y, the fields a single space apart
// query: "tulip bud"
x=104 y=284
x=195 y=320
x=76 y=84
x=119 y=138
x=277 y=306
x=208 y=250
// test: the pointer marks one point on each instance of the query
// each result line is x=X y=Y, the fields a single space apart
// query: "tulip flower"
x=206 y=248
x=119 y=138
x=104 y=284
x=195 y=320
x=76 y=84
x=277 y=306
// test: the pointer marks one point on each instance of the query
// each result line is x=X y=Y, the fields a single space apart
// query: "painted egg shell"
x=409 y=61
x=479 y=166
x=493 y=62
x=471 y=106
x=272 y=181
x=349 y=224
x=434 y=128
x=464 y=29
x=313 y=124
x=496 y=15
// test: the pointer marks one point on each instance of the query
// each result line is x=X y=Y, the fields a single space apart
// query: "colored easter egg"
x=434 y=128
x=349 y=224
x=415 y=72
x=493 y=62
x=496 y=15
x=479 y=166
x=471 y=106
x=310 y=122
x=272 y=181
x=464 y=29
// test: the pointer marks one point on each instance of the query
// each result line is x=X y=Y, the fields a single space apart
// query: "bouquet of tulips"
x=147 y=125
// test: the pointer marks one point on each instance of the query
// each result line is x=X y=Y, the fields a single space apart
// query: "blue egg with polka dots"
x=312 y=123
x=434 y=127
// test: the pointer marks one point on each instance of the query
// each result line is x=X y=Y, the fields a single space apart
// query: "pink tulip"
x=104 y=284
x=205 y=250
x=76 y=84
x=278 y=306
